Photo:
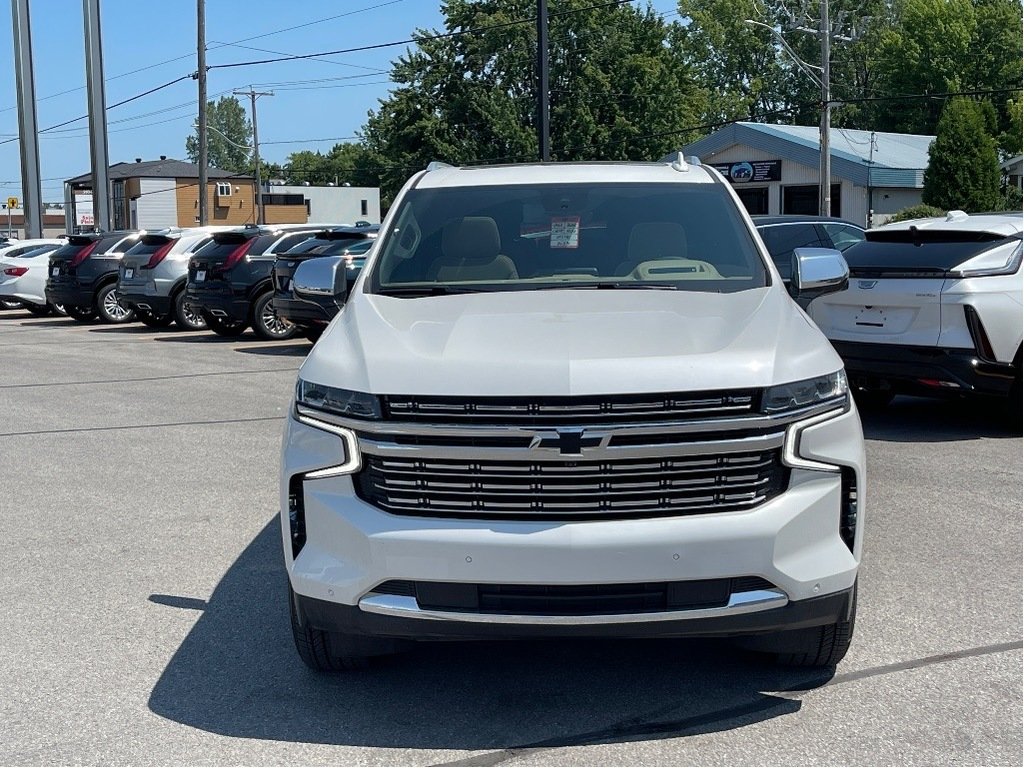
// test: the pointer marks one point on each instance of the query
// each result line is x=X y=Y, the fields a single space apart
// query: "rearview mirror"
x=321 y=278
x=817 y=271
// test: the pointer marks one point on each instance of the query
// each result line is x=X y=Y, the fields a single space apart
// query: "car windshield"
x=535 y=237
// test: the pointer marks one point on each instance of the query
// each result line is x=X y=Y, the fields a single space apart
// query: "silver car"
x=154 y=272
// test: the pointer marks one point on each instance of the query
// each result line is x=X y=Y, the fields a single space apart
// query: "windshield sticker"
x=565 y=231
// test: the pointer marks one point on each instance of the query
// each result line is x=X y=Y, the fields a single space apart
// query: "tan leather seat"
x=472 y=252
x=651 y=241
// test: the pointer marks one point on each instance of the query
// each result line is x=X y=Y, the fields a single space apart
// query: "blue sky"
x=323 y=98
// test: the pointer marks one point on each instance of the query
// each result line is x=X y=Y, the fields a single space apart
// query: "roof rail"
x=436 y=165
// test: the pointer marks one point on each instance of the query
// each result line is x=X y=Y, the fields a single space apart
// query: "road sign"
x=12 y=202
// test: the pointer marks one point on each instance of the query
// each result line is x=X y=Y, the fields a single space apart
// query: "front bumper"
x=927 y=371
x=355 y=620
x=793 y=541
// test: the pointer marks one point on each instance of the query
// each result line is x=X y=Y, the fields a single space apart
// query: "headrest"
x=471 y=239
x=657 y=240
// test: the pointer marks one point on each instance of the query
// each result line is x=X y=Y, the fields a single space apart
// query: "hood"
x=569 y=343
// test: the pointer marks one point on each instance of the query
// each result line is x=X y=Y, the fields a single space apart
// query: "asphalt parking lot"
x=145 y=620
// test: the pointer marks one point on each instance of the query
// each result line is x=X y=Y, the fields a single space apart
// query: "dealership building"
x=774 y=169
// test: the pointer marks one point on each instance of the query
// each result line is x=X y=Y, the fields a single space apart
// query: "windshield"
x=676 y=236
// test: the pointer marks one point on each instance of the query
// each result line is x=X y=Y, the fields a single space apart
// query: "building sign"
x=83 y=211
x=752 y=170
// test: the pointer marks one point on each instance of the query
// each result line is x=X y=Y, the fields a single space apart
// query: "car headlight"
x=801 y=394
x=343 y=402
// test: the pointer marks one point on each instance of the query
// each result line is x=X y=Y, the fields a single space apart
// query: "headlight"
x=1001 y=260
x=800 y=394
x=344 y=402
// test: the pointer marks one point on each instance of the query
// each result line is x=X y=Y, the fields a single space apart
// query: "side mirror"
x=319 y=279
x=817 y=271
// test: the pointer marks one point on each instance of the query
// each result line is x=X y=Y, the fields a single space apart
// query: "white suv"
x=933 y=308
x=572 y=400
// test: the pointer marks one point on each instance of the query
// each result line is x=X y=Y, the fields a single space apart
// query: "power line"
x=109 y=107
x=422 y=39
x=222 y=45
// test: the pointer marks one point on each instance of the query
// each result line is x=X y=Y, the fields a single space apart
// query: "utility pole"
x=825 y=170
x=253 y=95
x=98 y=154
x=543 y=105
x=201 y=75
x=803 y=21
x=28 y=133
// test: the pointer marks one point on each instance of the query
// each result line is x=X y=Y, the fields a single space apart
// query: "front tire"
x=186 y=316
x=153 y=321
x=58 y=309
x=8 y=304
x=110 y=309
x=814 y=647
x=266 y=322
x=229 y=329
x=39 y=310
x=81 y=314
x=315 y=647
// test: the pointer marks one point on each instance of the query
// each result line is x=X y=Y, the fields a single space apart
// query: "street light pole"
x=825 y=170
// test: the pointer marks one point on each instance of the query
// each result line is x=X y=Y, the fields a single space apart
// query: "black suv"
x=311 y=317
x=83 y=275
x=229 y=279
x=783 y=234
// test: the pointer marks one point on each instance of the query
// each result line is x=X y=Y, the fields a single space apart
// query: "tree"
x=618 y=89
x=963 y=169
x=345 y=163
x=229 y=133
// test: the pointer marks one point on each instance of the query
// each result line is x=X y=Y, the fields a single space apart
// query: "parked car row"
x=217 y=277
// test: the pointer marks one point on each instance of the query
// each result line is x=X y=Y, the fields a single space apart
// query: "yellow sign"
x=12 y=202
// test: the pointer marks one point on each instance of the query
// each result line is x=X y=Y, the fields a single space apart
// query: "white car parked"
x=23 y=265
x=934 y=307
x=572 y=400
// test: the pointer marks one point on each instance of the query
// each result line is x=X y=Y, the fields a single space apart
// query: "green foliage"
x=921 y=211
x=617 y=89
x=963 y=169
x=1011 y=199
x=344 y=163
x=226 y=117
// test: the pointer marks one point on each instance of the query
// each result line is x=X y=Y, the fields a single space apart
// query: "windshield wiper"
x=414 y=291
x=636 y=285
x=622 y=284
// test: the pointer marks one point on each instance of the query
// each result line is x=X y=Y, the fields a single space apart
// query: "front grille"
x=568 y=411
x=571 y=490
x=573 y=599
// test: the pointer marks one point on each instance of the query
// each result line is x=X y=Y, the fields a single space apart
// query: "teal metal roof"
x=890 y=160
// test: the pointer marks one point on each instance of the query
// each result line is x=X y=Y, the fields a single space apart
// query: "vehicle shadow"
x=237 y=674
x=201 y=337
x=919 y=419
x=297 y=349
x=129 y=328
